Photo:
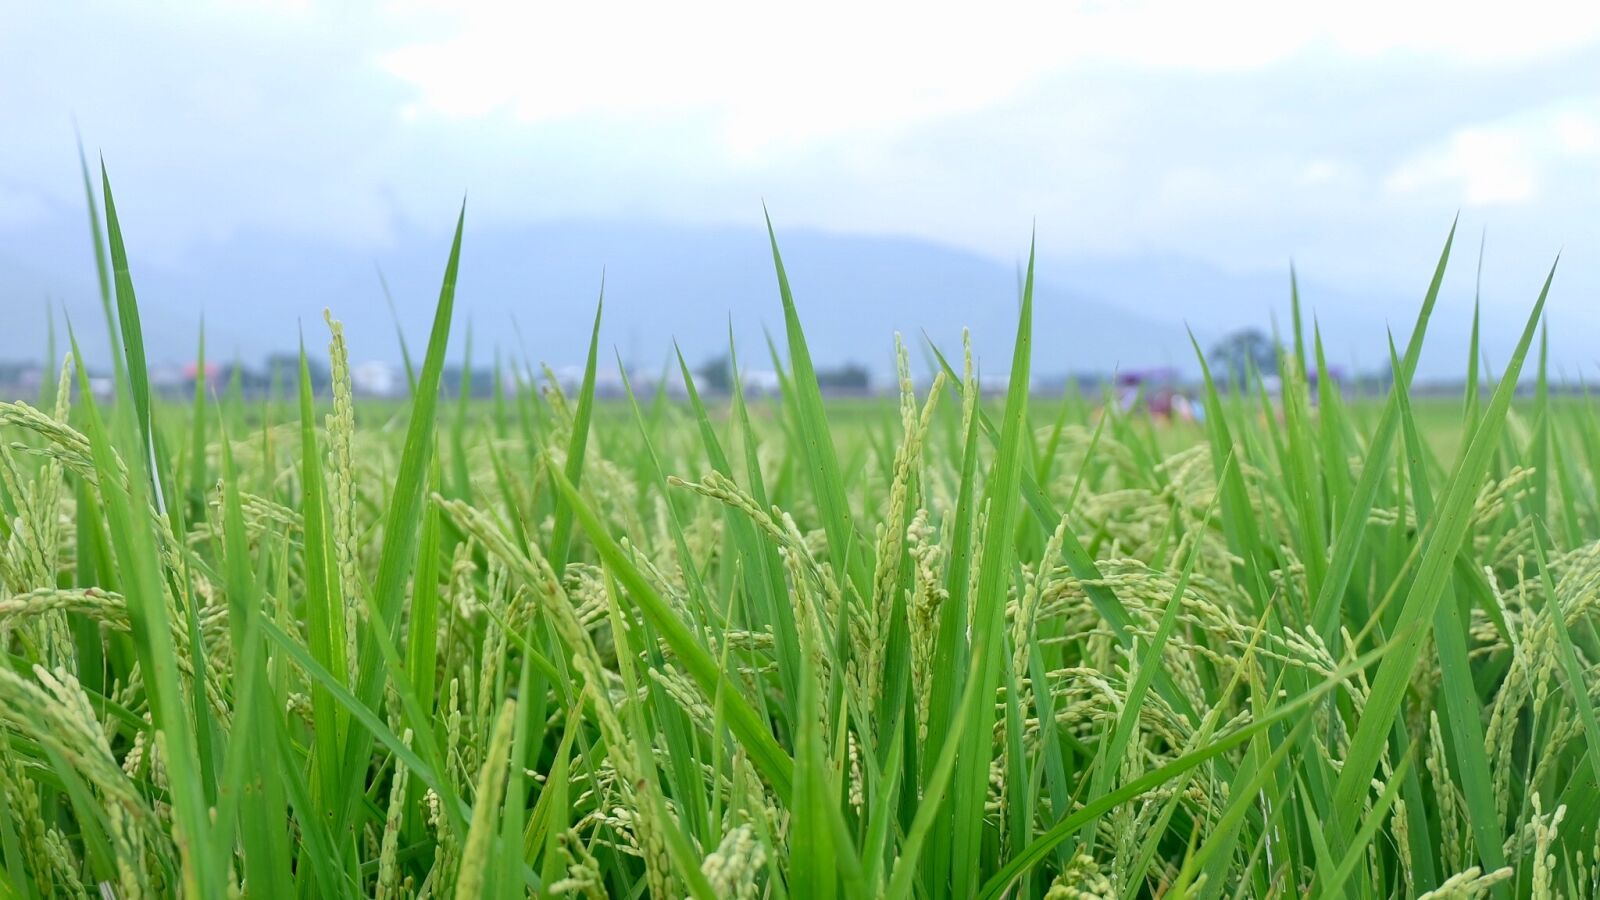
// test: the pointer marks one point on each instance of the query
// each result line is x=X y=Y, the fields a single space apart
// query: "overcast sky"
x=1238 y=134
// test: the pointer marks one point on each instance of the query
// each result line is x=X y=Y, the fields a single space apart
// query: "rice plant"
x=737 y=647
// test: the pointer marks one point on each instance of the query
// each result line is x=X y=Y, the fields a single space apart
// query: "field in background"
x=783 y=648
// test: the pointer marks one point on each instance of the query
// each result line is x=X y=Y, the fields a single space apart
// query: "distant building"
x=608 y=383
x=850 y=379
x=21 y=381
x=1336 y=375
x=570 y=378
x=376 y=379
x=211 y=375
x=1157 y=390
x=993 y=384
x=760 y=382
x=167 y=377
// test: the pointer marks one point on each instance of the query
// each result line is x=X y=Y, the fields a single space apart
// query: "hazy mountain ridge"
x=534 y=287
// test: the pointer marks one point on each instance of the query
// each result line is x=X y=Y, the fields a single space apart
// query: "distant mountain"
x=542 y=281
x=534 y=288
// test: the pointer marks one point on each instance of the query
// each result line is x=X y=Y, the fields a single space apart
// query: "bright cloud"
x=1505 y=162
x=775 y=73
x=1489 y=167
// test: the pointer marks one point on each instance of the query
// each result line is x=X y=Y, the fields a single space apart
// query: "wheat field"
x=954 y=646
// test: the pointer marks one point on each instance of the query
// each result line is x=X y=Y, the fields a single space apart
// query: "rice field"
x=949 y=646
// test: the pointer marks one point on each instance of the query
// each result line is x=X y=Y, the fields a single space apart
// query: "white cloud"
x=1487 y=166
x=771 y=73
x=1323 y=172
x=1578 y=132
x=1507 y=161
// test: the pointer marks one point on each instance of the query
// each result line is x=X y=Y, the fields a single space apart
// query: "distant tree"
x=715 y=375
x=1244 y=351
x=850 y=377
x=235 y=374
x=480 y=381
x=283 y=369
